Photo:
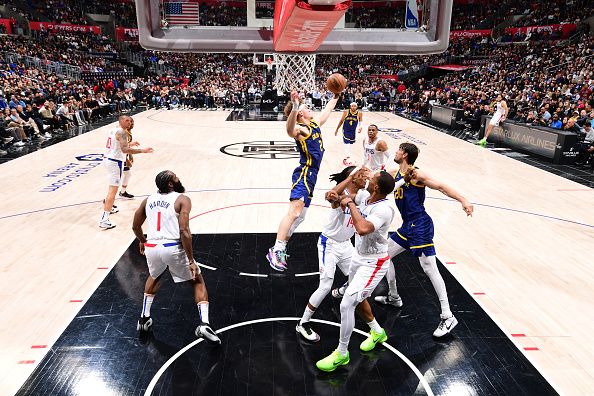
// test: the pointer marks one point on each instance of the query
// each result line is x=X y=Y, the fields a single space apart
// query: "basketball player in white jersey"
x=500 y=114
x=371 y=213
x=375 y=150
x=168 y=245
x=126 y=174
x=334 y=245
x=117 y=147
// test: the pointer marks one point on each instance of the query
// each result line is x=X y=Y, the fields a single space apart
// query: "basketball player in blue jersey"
x=416 y=232
x=351 y=122
x=302 y=127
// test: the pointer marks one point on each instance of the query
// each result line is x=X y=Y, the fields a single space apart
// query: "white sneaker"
x=20 y=143
x=446 y=325
x=205 y=331
x=114 y=209
x=48 y=135
x=107 y=225
x=306 y=332
x=389 y=300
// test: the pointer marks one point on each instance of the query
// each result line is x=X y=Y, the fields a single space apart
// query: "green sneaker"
x=330 y=363
x=371 y=341
x=482 y=143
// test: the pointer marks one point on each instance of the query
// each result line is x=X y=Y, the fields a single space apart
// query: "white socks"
x=203 y=311
x=373 y=325
x=147 y=302
x=307 y=314
x=429 y=265
x=125 y=179
x=104 y=216
x=280 y=245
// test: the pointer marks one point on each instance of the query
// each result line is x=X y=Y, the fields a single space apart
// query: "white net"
x=295 y=72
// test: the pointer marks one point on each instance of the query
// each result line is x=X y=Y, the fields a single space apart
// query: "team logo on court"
x=90 y=157
x=398 y=134
x=262 y=149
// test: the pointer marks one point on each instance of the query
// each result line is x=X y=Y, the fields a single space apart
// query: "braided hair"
x=162 y=181
x=341 y=176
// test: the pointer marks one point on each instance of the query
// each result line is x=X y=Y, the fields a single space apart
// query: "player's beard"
x=178 y=187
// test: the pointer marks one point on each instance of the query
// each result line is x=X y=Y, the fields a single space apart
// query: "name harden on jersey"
x=161 y=204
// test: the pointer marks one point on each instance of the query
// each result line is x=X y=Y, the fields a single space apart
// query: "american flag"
x=181 y=12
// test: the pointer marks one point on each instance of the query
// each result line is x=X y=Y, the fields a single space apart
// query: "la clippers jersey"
x=161 y=218
x=410 y=200
x=340 y=225
x=375 y=243
x=351 y=121
x=375 y=160
x=311 y=149
x=113 y=149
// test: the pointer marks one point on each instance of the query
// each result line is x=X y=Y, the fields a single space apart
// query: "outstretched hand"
x=411 y=173
x=468 y=208
x=295 y=98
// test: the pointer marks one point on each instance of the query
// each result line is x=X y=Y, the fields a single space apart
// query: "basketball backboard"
x=246 y=26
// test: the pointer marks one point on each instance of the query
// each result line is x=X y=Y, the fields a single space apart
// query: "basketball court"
x=517 y=272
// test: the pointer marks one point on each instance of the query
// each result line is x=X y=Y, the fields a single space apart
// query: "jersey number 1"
x=158 y=221
x=108 y=145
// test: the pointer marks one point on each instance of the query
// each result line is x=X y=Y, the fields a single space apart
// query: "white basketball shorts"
x=496 y=119
x=160 y=256
x=365 y=275
x=332 y=254
x=114 y=171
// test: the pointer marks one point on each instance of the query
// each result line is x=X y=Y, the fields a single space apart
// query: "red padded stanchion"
x=301 y=27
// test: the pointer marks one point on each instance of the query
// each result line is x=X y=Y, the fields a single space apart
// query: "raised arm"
x=292 y=117
x=344 y=114
x=423 y=179
x=327 y=111
x=126 y=149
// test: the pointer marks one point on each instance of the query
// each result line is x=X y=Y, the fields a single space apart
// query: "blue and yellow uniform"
x=416 y=233
x=349 y=127
x=311 y=151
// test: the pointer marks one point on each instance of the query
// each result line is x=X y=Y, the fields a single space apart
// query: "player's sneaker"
x=482 y=142
x=389 y=300
x=144 y=323
x=330 y=363
x=106 y=224
x=126 y=195
x=277 y=259
x=446 y=325
x=205 y=331
x=114 y=209
x=339 y=292
x=306 y=332
x=374 y=338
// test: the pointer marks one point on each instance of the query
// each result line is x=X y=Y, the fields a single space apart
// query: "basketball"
x=336 y=83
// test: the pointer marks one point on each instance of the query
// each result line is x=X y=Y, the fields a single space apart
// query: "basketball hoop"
x=295 y=72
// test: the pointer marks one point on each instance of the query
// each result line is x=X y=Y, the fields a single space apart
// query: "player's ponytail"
x=340 y=177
